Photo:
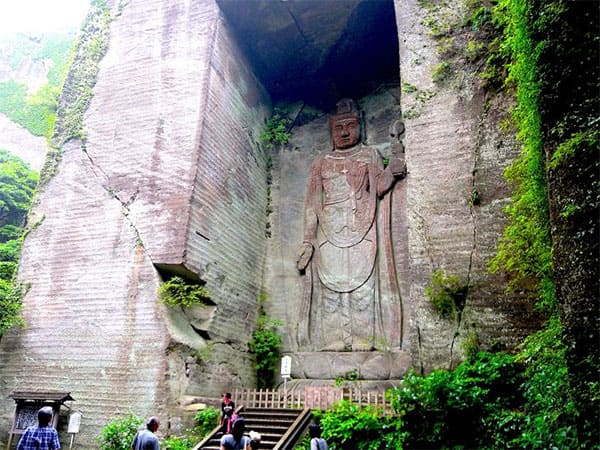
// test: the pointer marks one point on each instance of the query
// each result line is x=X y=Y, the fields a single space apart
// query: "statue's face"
x=346 y=133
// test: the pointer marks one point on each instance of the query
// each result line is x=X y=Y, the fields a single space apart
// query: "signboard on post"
x=286 y=366
x=74 y=424
x=286 y=370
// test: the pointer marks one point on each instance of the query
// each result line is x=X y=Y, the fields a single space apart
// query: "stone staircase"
x=279 y=428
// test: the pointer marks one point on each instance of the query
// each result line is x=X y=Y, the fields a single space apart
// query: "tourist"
x=146 y=439
x=254 y=440
x=40 y=437
x=236 y=440
x=227 y=410
x=316 y=441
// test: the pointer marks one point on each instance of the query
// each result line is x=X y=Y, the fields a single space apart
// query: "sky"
x=41 y=16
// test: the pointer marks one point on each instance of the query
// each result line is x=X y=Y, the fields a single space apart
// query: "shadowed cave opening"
x=317 y=52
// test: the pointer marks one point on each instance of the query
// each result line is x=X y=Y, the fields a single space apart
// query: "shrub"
x=7 y=270
x=118 y=434
x=455 y=409
x=266 y=345
x=176 y=443
x=349 y=426
x=276 y=130
x=180 y=292
x=206 y=419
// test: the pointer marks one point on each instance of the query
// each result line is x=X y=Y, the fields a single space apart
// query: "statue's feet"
x=364 y=347
x=337 y=346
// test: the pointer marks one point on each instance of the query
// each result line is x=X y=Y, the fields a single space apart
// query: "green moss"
x=474 y=50
x=583 y=141
x=471 y=345
x=447 y=294
x=442 y=72
x=410 y=113
x=525 y=247
x=408 y=88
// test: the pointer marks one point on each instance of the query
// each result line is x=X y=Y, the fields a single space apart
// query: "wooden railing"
x=309 y=397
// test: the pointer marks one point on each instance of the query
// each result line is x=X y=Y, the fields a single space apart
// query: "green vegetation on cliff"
x=42 y=114
x=35 y=111
x=118 y=434
x=77 y=92
x=179 y=292
x=266 y=345
x=17 y=185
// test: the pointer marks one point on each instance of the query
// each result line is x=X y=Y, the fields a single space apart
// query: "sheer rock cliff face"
x=173 y=180
x=456 y=151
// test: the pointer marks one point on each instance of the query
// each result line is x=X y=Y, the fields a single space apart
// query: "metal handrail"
x=295 y=430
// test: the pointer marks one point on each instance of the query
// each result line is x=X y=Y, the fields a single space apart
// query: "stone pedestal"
x=365 y=365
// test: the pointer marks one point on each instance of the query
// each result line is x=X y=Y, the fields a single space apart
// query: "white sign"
x=286 y=366
x=74 y=422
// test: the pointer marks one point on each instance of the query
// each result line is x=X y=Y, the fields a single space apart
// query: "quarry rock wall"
x=173 y=179
x=456 y=151
x=170 y=163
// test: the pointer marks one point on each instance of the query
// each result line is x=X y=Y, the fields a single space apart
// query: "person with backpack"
x=42 y=437
x=316 y=441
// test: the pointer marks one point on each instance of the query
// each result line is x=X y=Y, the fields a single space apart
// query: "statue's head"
x=345 y=125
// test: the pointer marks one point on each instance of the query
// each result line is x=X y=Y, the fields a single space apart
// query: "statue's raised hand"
x=305 y=255
x=397 y=166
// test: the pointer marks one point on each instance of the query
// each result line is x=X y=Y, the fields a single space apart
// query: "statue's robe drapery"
x=351 y=298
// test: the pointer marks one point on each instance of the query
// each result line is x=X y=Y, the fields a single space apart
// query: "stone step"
x=271 y=423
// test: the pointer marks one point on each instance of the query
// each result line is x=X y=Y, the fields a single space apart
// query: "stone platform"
x=376 y=365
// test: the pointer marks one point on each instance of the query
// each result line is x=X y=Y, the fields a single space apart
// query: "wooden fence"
x=309 y=397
